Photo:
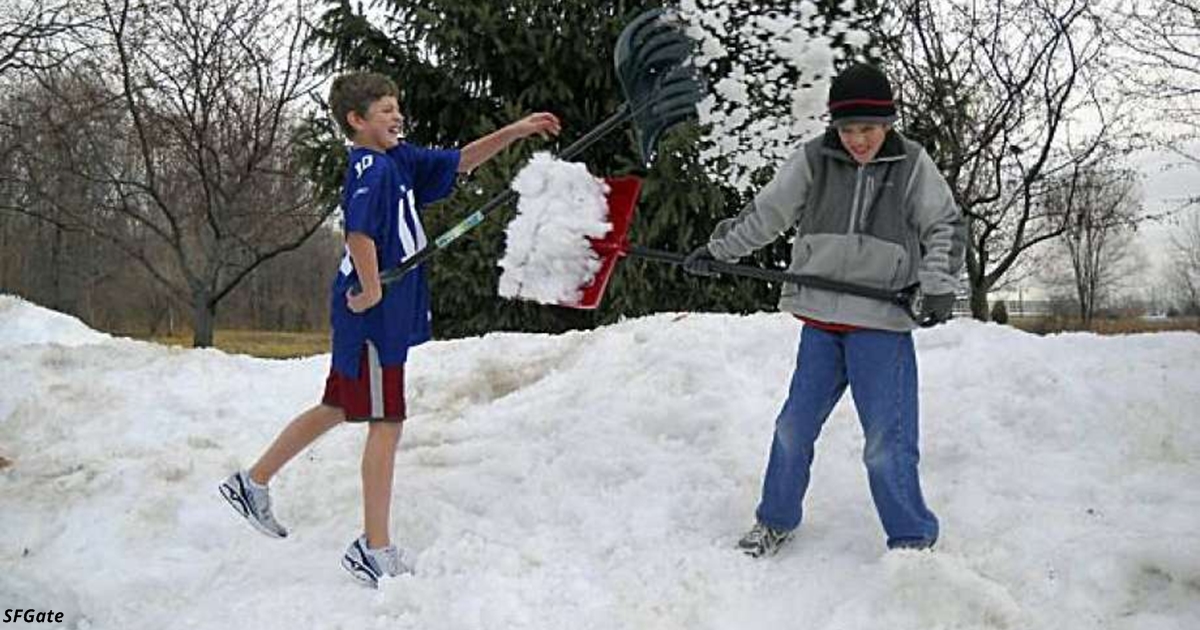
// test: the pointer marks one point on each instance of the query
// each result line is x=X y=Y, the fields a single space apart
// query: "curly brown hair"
x=354 y=92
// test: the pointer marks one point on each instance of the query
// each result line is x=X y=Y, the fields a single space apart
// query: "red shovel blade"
x=622 y=201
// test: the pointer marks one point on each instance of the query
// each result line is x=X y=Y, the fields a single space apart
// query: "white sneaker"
x=252 y=502
x=368 y=566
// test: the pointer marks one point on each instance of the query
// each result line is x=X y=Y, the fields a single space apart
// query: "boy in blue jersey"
x=387 y=182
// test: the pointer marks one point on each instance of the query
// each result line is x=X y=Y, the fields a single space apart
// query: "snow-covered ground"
x=599 y=480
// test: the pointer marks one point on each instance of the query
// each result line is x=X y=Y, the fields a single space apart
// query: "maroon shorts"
x=377 y=394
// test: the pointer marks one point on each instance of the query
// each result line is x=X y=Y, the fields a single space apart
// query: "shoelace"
x=390 y=561
x=260 y=499
x=394 y=561
x=757 y=535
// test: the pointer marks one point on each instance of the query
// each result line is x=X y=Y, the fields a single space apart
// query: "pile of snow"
x=600 y=480
x=22 y=322
x=547 y=256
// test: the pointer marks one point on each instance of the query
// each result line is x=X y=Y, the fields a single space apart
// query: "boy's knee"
x=882 y=450
x=876 y=455
x=385 y=428
x=885 y=454
x=335 y=417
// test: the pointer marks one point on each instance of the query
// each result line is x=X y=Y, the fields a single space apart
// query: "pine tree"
x=467 y=67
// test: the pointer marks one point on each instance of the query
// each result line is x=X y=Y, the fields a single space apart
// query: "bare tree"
x=1184 y=275
x=31 y=32
x=45 y=237
x=177 y=136
x=35 y=35
x=997 y=90
x=1161 y=54
x=1097 y=244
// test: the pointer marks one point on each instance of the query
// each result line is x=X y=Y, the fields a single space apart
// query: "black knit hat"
x=861 y=93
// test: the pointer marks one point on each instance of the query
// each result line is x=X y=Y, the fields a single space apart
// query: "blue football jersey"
x=381 y=198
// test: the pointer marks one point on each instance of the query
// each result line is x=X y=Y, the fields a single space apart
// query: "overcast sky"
x=1167 y=181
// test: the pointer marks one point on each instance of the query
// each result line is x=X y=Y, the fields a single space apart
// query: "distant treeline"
x=76 y=273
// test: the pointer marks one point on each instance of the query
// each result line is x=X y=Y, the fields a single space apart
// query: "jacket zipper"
x=858 y=176
x=868 y=200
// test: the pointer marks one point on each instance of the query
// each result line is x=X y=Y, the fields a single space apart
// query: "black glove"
x=936 y=309
x=697 y=262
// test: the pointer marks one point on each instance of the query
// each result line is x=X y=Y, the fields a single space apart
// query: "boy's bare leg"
x=378 y=466
x=295 y=437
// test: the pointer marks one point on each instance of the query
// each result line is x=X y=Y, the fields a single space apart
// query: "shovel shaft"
x=449 y=236
x=902 y=298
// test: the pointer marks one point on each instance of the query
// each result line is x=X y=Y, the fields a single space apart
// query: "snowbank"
x=599 y=480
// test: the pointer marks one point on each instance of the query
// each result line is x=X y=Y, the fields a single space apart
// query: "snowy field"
x=599 y=480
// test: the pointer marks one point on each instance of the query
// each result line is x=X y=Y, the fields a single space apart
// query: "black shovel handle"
x=903 y=298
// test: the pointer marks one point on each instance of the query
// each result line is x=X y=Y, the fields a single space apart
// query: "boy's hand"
x=696 y=263
x=936 y=309
x=364 y=300
x=541 y=123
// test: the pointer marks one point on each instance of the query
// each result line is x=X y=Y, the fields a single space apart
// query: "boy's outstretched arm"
x=482 y=150
x=362 y=253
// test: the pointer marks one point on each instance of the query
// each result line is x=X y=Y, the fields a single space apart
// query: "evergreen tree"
x=465 y=68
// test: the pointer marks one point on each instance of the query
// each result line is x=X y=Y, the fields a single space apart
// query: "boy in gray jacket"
x=870 y=208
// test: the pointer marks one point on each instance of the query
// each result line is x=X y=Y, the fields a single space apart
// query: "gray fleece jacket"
x=889 y=224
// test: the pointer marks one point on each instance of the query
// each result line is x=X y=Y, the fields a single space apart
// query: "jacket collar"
x=891 y=151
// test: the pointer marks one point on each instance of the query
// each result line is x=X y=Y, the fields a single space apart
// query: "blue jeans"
x=881 y=369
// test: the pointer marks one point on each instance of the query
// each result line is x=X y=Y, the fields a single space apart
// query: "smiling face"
x=380 y=128
x=862 y=140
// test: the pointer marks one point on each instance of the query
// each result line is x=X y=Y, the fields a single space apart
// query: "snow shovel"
x=622 y=201
x=660 y=88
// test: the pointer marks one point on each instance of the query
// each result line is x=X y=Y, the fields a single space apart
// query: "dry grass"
x=260 y=343
x=285 y=345
x=1104 y=326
